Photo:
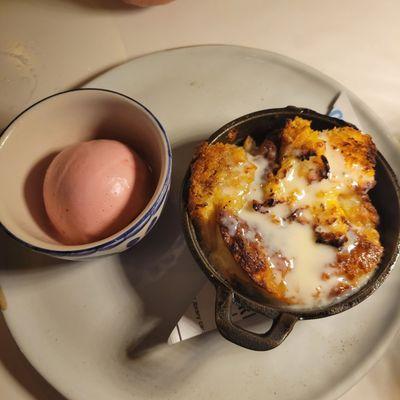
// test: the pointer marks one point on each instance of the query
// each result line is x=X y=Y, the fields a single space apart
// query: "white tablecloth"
x=50 y=45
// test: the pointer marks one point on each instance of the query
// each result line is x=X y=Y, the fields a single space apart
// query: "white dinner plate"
x=78 y=323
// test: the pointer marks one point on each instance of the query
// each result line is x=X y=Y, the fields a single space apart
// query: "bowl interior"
x=385 y=197
x=32 y=140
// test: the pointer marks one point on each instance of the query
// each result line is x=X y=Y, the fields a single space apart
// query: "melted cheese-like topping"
x=256 y=187
x=296 y=241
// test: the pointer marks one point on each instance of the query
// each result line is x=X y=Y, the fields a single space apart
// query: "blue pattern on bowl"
x=151 y=225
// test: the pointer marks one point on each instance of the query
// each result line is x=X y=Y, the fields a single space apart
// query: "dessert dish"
x=115 y=156
x=292 y=211
x=267 y=165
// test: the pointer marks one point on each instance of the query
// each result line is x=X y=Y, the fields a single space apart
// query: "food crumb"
x=232 y=135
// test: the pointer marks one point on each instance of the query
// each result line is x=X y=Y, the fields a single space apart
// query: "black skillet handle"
x=281 y=326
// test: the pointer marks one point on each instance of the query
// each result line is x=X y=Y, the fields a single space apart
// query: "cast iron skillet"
x=385 y=197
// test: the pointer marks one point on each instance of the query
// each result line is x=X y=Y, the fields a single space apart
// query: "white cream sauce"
x=308 y=259
x=256 y=189
x=351 y=242
x=296 y=242
x=340 y=176
x=339 y=171
x=230 y=223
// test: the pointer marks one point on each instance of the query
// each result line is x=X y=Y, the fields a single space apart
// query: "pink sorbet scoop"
x=94 y=189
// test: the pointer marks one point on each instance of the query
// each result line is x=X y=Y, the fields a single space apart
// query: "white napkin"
x=199 y=317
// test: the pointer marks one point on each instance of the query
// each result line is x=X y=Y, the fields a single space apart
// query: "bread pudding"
x=292 y=212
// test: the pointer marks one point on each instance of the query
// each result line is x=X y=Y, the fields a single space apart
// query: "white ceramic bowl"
x=32 y=139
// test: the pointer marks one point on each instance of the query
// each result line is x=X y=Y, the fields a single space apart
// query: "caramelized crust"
x=358 y=150
x=362 y=259
x=220 y=176
x=252 y=256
